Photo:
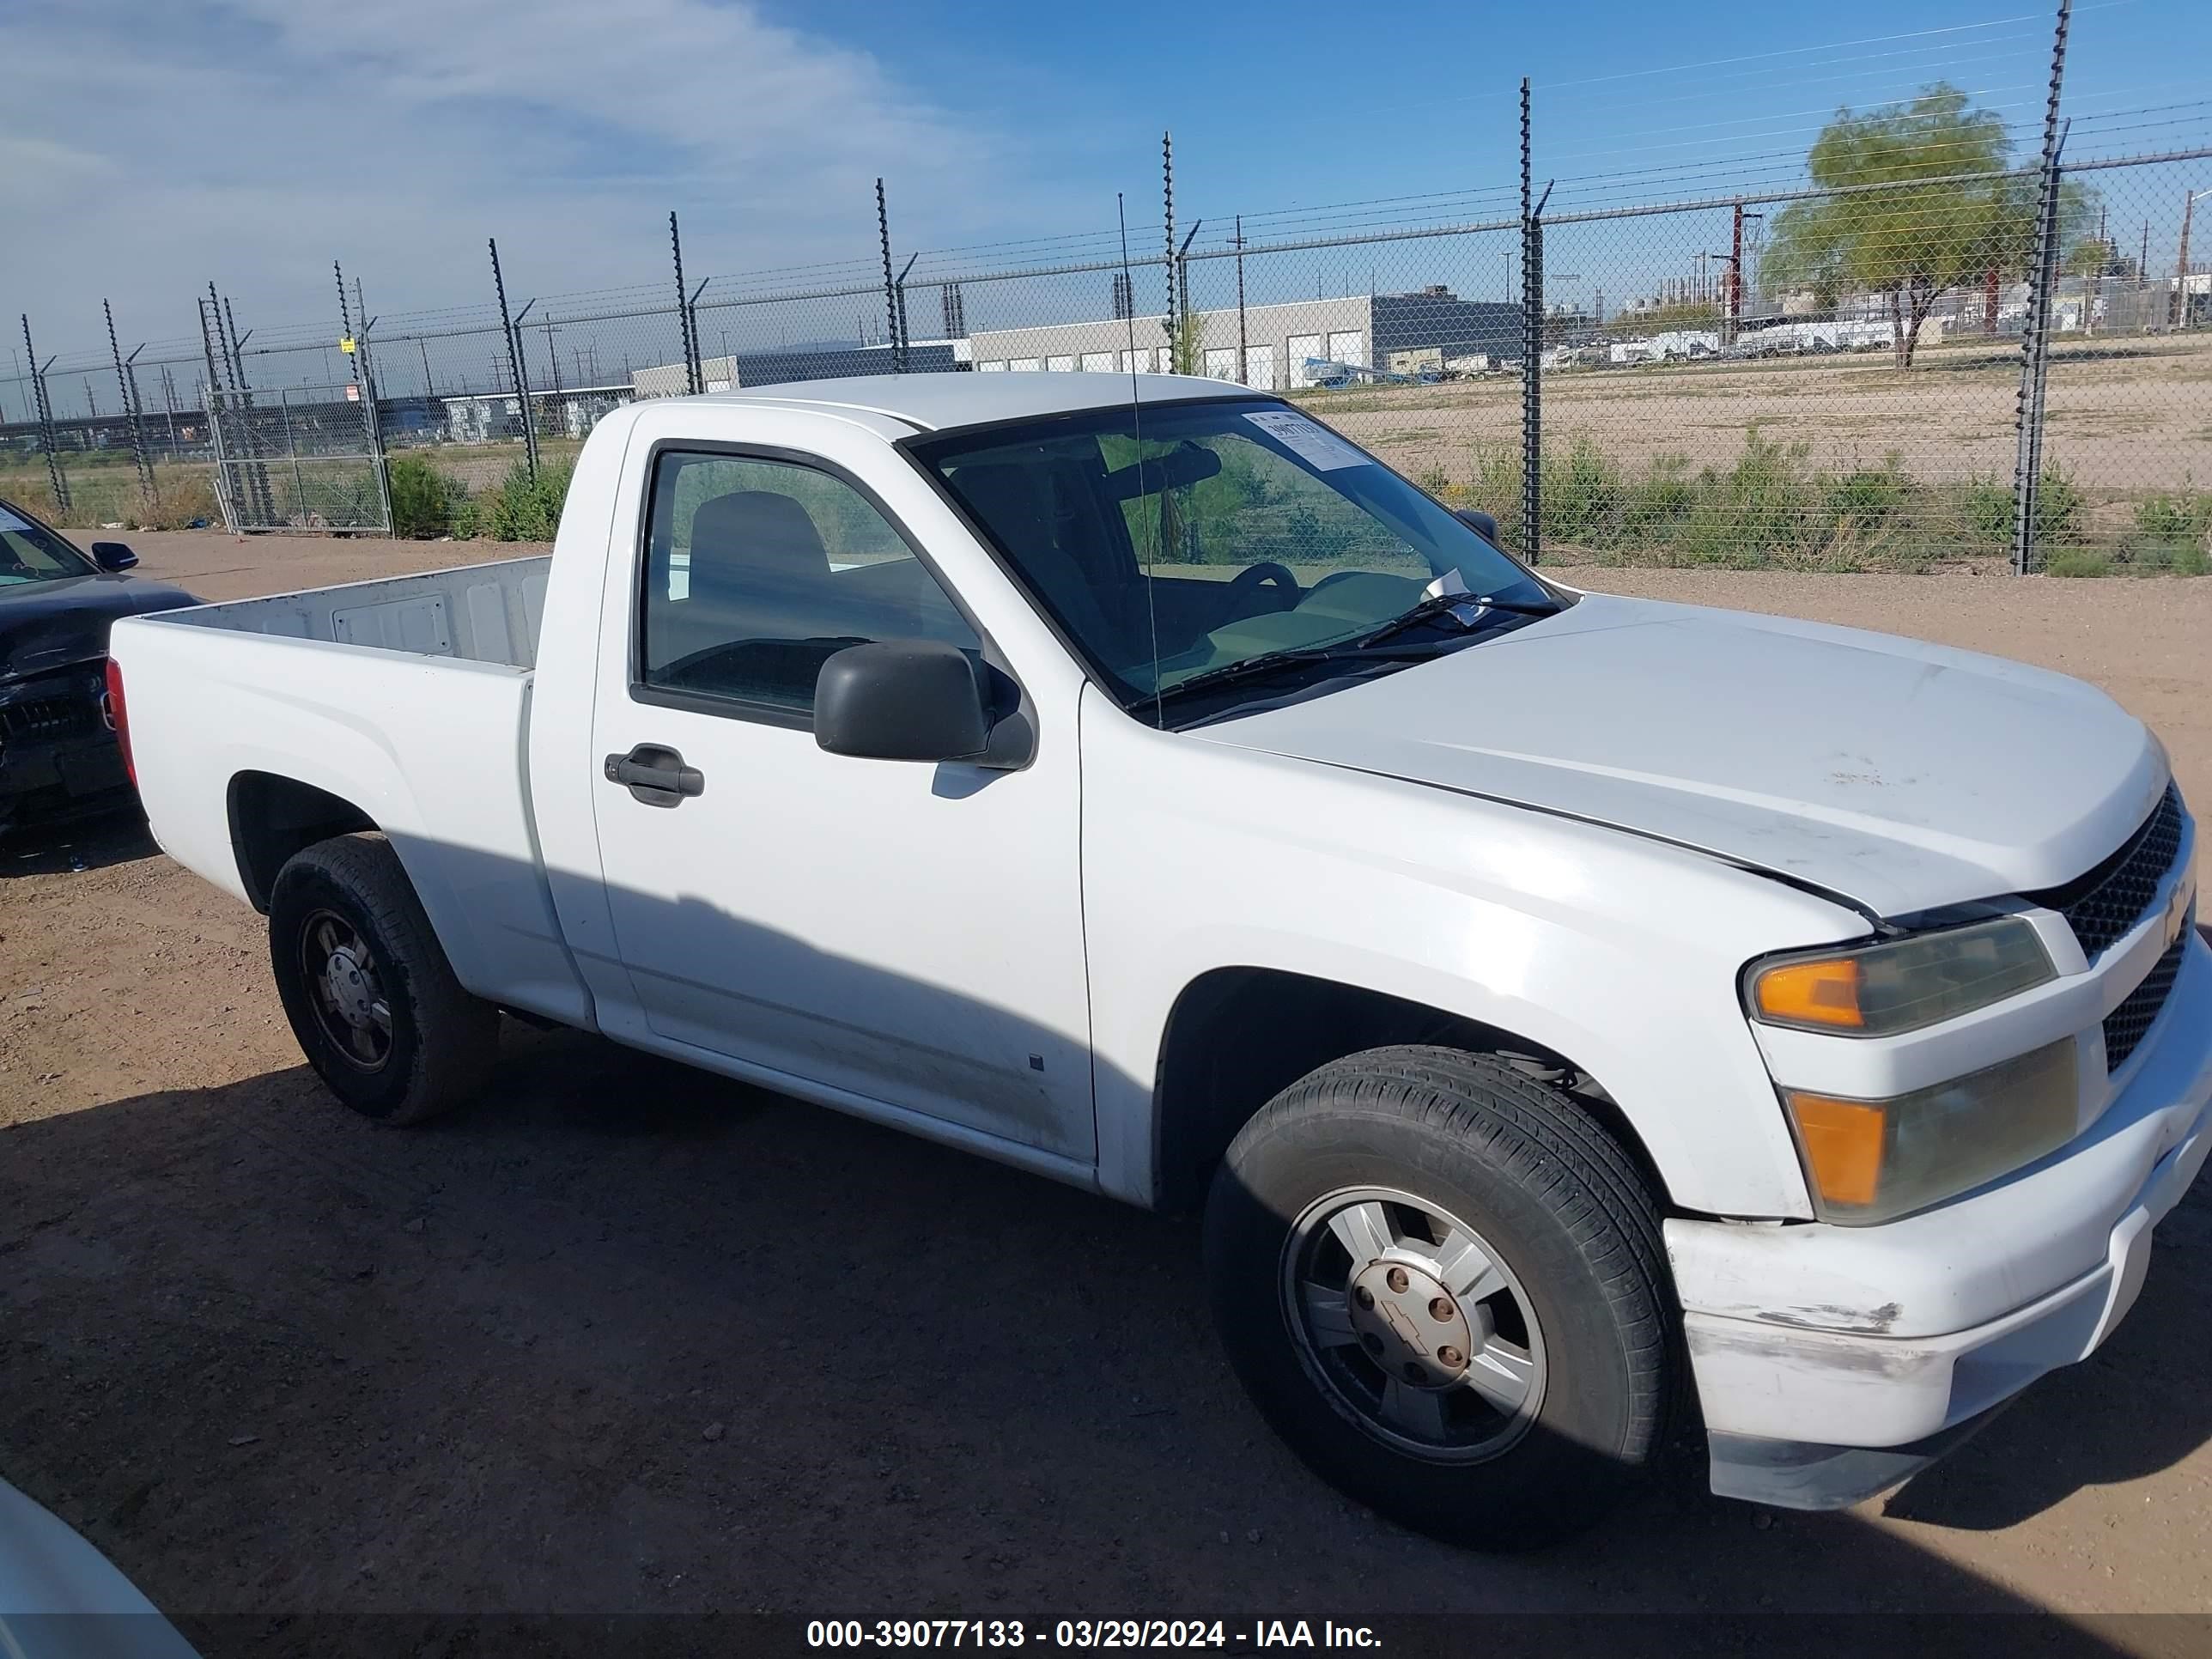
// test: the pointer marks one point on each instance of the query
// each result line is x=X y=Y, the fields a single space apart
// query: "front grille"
x=2125 y=1026
x=2102 y=906
x=37 y=718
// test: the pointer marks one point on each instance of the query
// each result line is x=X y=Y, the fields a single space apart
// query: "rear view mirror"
x=1185 y=464
x=1478 y=521
x=113 y=556
x=912 y=700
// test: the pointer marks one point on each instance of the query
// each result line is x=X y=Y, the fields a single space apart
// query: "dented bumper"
x=1813 y=1345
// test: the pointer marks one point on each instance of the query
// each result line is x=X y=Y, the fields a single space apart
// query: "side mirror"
x=911 y=700
x=113 y=556
x=1480 y=522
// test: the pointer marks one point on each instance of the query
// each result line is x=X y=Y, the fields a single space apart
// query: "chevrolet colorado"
x=1571 y=1012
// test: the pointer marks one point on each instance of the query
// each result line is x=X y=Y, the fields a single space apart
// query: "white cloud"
x=146 y=147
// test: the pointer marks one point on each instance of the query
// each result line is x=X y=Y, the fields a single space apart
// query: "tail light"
x=119 y=717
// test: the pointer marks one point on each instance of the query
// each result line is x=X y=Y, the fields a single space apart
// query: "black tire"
x=441 y=1041
x=1563 y=1210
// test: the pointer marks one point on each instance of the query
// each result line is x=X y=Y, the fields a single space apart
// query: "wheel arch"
x=273 y=816
x=1236 y=1036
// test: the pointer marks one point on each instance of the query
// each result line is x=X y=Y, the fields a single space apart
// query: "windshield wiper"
x=1268 y=664
x=1466 y=609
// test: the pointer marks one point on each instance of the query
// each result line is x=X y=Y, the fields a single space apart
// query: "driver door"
x=907 y=933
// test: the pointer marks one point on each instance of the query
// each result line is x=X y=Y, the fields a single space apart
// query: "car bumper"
x=53 y=783
x=1829 y=1361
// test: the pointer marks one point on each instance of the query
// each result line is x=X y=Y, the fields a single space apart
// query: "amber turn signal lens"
x=1843 y=1142
x=1824 y=991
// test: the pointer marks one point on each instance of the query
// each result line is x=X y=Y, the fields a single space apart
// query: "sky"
x=148 y=147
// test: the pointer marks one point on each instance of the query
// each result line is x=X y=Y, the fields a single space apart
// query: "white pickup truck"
x=1570 y=1011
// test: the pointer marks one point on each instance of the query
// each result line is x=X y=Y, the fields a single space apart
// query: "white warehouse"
x=1399 y=332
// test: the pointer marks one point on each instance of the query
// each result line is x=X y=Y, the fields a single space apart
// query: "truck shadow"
x=116 y=838
x=629 y=1338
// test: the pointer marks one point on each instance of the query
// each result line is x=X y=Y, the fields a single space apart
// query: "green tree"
x=1922 y=229
x=1189 y=355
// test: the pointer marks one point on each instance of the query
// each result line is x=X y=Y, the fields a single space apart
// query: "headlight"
x=1874 y=1160
x=1878 y=990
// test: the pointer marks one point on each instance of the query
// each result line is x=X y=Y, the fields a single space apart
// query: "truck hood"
x=45 y=625
x=1900 y=776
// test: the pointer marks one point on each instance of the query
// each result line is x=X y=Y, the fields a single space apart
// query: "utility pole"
x=1735 y=280
x=1243 y=350
x=2181 y=262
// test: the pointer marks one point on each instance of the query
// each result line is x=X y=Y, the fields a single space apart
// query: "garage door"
x=1302 y=348
x=1260 y=368
x=1221 y=363
x=1097 y=362
x=1349 y=346
x=1061 y=365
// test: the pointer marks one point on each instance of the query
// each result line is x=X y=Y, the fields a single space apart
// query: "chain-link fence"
x=2127 y=406
x=1930 y=367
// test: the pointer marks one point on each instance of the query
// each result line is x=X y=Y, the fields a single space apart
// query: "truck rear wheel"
x=1444 y=1287
x=371 y=997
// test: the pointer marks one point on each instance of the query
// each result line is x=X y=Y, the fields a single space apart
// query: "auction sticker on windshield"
x=1310 y=441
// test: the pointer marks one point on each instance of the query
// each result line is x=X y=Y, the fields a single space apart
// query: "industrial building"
x=1283 y=346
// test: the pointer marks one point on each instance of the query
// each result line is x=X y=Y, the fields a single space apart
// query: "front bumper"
x=1831 y=1361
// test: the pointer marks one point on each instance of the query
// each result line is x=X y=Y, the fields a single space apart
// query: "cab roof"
x=934 y=402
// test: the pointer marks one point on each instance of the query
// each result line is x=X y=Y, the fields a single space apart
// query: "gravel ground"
x=628 y=1338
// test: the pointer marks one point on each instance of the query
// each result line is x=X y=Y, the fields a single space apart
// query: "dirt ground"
x=625 y=1339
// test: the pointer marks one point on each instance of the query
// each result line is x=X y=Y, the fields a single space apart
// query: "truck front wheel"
x=1444 y=1287
x=368 y=990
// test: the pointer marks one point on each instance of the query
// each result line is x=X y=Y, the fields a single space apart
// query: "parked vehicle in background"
x=62 y=1599
x=59 y=757
x=1569 y=1009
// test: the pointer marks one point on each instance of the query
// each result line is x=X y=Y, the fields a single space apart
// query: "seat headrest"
x=1014 y=501
x=756 y=528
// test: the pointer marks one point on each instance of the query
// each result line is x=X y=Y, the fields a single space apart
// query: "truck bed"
x=408 y=699
x=486 y=613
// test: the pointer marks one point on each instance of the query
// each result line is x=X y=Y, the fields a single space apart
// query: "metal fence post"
x=1167 y=209
x=891 y=288
x=231 y=516
x=56 y=480
x=692 y=378
x=513 y=363
x=521 y=359
x=2035 y=328
x=1532 y=352
x=130 y=410
x=698 y=350
x=900 y=338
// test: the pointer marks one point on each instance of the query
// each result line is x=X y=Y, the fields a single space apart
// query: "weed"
x=2077 y=561
x=422 y=498
x=522 y=509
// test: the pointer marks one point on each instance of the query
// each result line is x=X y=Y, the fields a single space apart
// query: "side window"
x=757 y=572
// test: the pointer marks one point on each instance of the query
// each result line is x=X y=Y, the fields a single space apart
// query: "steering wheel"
x=1244 y=581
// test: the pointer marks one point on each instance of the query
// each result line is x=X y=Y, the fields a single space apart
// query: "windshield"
x=1179 y=541
x=30 y=552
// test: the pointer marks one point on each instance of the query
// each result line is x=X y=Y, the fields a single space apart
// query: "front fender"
x=1619 y=954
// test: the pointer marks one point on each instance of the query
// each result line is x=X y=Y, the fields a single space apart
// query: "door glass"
x=757 y=572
